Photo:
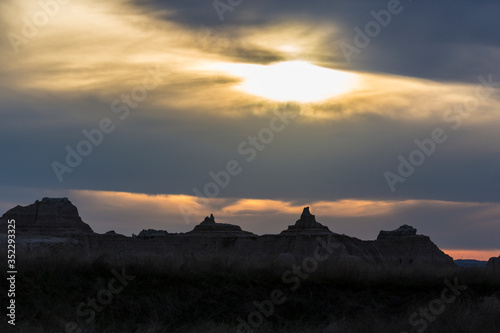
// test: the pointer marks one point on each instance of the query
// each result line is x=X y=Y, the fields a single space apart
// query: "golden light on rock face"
x=290 y=81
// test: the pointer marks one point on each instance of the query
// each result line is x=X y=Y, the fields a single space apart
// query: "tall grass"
x=172 y=294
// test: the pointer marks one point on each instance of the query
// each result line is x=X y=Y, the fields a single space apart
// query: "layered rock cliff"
x=50 y=216
x=404 y=247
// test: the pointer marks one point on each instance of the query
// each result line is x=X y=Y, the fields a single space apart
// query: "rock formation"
x=306 y=225
x=51 y=216
x=210 y=227
x=113 y=233
x=404 y=246
x=493 y=265
x=151 y=233
x=54 y=225
x=402 y=231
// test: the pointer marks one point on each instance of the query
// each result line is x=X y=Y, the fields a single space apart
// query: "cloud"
x=444 y=49
x=66 y=77
x=108 y=58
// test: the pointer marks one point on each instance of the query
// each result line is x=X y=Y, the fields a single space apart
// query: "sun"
x=290 y=81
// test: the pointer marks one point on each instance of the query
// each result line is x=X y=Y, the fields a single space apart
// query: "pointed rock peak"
x=307 y=222
x=209 y=220
x=210 y=227
x=307 y=216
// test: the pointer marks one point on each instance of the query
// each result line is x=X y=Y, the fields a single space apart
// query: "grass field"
x=55 y=295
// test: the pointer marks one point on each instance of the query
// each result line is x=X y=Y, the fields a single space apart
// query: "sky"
x=154 y=114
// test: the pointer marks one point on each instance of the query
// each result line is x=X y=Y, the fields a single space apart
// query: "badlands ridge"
x=54 y=225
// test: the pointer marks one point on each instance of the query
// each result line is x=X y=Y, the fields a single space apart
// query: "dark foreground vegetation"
x=66 y=295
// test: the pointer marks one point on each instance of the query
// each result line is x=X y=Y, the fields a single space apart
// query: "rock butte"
x=55 y=225
x=493 y=265
x=306 y=225
x=211 y=228
x=47 y=217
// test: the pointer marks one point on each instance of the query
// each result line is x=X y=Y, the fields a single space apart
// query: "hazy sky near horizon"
x=374 y=113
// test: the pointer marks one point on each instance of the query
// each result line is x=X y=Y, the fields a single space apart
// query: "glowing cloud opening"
x=291 y=81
